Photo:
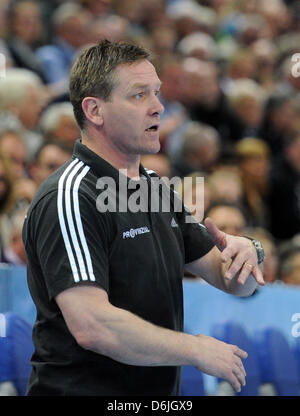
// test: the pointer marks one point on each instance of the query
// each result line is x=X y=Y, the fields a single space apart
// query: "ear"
x=92 y=109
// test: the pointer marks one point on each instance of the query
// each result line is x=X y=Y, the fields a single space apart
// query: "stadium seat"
x=16 y=348
x=191 y=382
x=233 y=333
x=277 y=362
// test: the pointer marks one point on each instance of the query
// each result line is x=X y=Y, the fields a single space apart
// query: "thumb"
x=218 y=236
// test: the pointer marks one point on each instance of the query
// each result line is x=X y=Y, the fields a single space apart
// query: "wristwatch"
x=259 y=249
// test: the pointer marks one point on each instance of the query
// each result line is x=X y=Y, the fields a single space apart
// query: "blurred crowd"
x=230 y=87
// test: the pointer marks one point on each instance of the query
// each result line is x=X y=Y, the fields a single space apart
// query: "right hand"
x=222 y=360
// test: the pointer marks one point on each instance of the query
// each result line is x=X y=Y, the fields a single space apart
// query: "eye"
x=139 y=95
x=157 y=93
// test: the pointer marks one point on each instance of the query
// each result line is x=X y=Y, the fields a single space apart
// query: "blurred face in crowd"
x=256 y=167
x=283 y=118
x=50 y=159
x=200 y=86
x=74 y=29
x=26 y=22
x=293 y=276
x=228 y=219
x=14 y=149
x=67 y=130
x=29 y=109
x=172 y=79
x=249 y=110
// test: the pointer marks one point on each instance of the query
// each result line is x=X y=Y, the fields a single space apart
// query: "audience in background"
x=271 y=262
x=283 y=197
x=230 y=92
x=254 y=165
x=290 y=263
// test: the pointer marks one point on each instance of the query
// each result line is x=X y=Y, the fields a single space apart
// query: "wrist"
x=259 y=249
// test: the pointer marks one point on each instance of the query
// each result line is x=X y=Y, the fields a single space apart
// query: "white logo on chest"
x=133 y=232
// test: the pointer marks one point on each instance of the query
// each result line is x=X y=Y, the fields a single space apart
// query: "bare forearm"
x=129 y=339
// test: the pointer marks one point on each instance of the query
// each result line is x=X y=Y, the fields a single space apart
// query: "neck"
x=108 y=151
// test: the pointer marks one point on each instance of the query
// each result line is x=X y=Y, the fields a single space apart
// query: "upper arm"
x=85 y=309
x=69 y=243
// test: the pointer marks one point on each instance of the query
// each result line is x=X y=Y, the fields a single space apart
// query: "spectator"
x=58 y=123
x=254 y=165
x=283 y=198
x=14 y=252
x=23 y=94
x=12 y=146
x=25 y=34
x=279 y=120
x=69 y=34
x=226 y=185
x=228 y=217
x=247 y=99
x=271 y=262
x=174 y=118
x=157 y=162
x=290 y=264
x=49 y=157
x=199 y=45
x=200 y=150
x=204 y=99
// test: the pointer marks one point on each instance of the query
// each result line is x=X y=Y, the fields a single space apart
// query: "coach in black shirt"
x=107 y=283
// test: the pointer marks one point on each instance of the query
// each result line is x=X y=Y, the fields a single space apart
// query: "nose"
x=156 y=107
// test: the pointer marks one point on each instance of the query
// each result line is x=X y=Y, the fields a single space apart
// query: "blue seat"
x=233 y=333
x=296 y=351
x=191 y=382
x=16 y=348
x=277 y=362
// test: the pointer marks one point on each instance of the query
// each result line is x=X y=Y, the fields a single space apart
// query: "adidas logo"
x=174 y=223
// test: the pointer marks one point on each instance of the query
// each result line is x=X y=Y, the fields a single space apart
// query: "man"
x=108 y=285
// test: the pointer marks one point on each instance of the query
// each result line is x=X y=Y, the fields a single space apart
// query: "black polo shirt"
x=137 y=257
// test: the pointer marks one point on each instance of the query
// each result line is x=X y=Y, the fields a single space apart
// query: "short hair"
x=93 y=72
x=13 y=88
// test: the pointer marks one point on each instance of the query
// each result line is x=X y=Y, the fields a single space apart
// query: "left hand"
x=239 y=250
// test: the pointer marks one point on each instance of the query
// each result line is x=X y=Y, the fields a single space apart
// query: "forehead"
x=138 y=73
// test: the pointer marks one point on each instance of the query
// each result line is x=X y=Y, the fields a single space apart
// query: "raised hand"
x=239 y=250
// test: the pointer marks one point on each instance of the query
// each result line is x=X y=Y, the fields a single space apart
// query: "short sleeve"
x=197 y=241
x=70 y=243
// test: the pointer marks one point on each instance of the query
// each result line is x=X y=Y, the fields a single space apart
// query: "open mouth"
x=153 y=128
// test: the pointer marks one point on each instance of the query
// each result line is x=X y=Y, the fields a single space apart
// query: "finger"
x=236 y=266
x=218 y=236
x=257 y=273
x=240 y=375
x=246 y=270
x=239 y=363
x=239 y=352
x=234 y=381
x=228 y=253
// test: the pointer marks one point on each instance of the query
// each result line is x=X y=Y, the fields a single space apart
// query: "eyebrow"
x=142 y=86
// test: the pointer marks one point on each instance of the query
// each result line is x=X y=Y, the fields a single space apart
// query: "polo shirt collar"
x=99 y=165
